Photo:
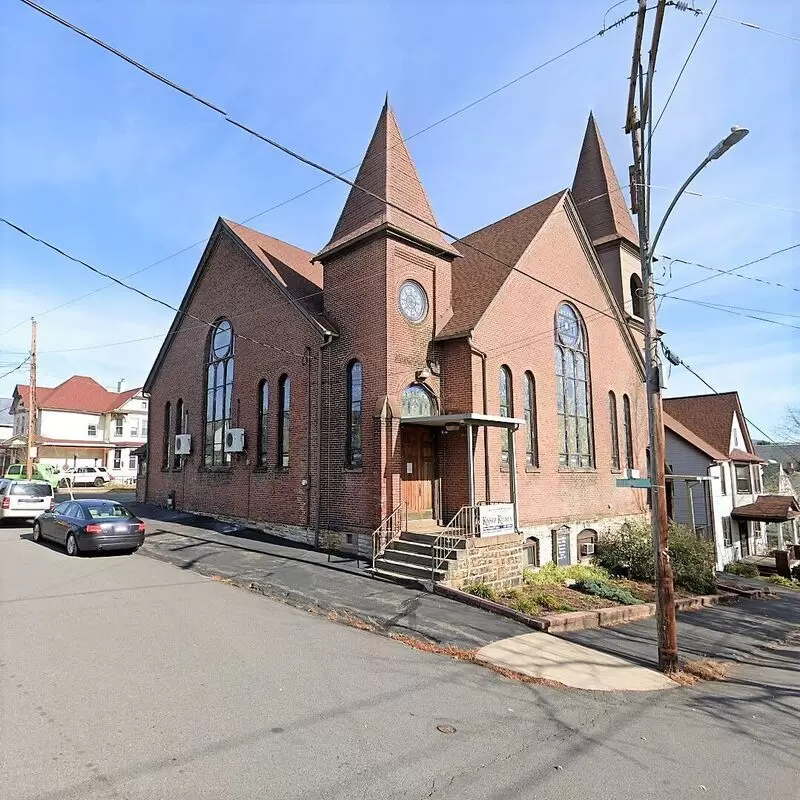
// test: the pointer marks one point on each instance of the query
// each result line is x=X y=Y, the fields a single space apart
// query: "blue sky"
x=121 y=171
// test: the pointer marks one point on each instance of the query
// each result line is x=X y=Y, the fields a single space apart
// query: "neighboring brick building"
x=358 y=399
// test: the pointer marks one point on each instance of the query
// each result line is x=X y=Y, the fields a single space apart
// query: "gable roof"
x=477 y=277
x=290 y=266
x=692 y=438
x=387 y=171
x=78 y=393
x=597 y=192
x=710 y=416
x=769 y=508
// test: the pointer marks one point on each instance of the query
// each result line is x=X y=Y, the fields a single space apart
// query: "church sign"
x=561 y=547
x=496 y=519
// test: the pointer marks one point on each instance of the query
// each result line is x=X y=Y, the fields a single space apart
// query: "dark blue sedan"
x=84 y=526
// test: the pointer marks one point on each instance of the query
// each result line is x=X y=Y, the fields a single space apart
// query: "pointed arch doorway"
x=418 y=476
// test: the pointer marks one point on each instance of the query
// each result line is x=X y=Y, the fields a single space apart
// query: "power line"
x=734 y=269
x=695 y=193
x=680 y=74
x=728 y=272
x=746 y=308
x=751 y=25
x=138 y=291
x=19 y=366
x=729 y=311
x=288 y=151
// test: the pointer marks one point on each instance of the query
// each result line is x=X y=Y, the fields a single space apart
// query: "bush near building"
x=742 y=569
x=631 y=548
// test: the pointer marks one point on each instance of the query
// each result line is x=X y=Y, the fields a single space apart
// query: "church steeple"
x=597 y=193
x=388 y=172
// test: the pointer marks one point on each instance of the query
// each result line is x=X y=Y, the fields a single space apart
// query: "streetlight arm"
x=706 y=161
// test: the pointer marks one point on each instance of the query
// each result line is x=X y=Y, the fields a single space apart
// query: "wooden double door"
x=418 y=470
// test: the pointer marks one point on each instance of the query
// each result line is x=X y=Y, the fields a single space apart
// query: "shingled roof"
x=710 y=416
x=78 y=393
x=692 y=438
x=597 y=192
x=388 y=172
x=477 y=277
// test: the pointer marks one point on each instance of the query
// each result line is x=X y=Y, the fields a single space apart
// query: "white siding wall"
x=70 y=425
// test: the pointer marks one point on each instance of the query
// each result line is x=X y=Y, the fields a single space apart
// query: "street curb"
x=742 y=591
x=537 y=623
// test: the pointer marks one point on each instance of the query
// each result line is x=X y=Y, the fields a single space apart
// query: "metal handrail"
x=463 y=526
x=390 y=529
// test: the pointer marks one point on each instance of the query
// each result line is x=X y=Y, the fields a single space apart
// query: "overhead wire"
x=19 y=366
x=730 y=311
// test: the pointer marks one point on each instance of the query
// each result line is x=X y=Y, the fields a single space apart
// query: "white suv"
x=24 y=499
x=87 y=476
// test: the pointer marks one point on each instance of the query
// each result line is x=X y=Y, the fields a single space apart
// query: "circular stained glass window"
x=222 y=340
x=413 y=301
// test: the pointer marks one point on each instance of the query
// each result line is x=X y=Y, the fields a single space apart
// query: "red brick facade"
x=455 y=351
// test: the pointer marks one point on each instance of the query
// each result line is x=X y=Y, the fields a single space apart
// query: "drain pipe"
x=487 y=484
x=318 y=488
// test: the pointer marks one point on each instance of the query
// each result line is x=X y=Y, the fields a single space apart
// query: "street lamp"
x=665 y=598
x=734 y=137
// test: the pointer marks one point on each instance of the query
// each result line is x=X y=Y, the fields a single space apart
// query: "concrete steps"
x=409 y=558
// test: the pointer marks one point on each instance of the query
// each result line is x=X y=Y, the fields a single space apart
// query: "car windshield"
x=31 y=489
x=106 y=510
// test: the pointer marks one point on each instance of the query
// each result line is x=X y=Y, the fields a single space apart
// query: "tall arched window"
x=532 y=438
x=637 y=296
x=573 y=401
x=284 y=408
x=506 y=410
x=614 y=429
x=165 y=445
x=627 y=430
x=263 y=423
x=219 y=388
x=355 y=454
x=179 y=429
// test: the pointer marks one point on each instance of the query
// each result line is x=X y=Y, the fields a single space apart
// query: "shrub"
x=692 y=558
x=480 y=589
x=550 y=602
x=742 y=568
x=552 y=575
x=607 y=591
x=779 y=580
x=795 y=573
x=520 y=601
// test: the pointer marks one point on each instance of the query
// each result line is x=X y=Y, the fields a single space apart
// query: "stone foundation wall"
x=496 y=560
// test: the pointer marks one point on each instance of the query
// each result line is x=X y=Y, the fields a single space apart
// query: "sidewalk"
x=304 y=578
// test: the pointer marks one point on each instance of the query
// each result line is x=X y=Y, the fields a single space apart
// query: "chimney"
x=120 y=385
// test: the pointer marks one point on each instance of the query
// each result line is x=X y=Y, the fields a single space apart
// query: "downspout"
x=487 y=484
x=318 y=499
x=147 y=473
x=712 y=516
x=307 y=360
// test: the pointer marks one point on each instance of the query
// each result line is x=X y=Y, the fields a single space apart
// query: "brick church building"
x=397 y=371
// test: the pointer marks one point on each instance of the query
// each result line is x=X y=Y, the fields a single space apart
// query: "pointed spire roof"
x=597 y=193
x=388 y=172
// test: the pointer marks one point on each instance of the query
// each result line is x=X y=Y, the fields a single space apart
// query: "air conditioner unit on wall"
x=234 y=440
x=183 y=444
x=632 y=473
x=587 y=549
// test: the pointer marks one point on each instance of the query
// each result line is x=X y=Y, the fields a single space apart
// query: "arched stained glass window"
x=418 y=402
x=219 y=389
x=355 y=453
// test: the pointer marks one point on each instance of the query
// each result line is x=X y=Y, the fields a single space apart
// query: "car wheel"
x=37 y=532
x=98 y=482
x=72 y=545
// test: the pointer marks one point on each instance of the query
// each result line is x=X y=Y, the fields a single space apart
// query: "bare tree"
x=791 y=424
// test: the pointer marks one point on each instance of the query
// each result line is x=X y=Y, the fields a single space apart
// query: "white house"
x=80 y=423
x=6 y=430
x=715 y=476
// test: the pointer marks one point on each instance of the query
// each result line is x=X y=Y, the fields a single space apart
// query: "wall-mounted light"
x=423 y=374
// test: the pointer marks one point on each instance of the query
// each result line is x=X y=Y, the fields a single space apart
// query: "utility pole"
x=31 y=403
x=665 y=591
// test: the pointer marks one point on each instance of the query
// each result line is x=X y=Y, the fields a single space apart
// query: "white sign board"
x=496 y=519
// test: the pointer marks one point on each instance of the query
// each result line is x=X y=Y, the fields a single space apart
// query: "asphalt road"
x=123 y=677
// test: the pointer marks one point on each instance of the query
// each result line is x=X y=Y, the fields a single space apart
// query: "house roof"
x=387 y=171
x=477 y=277
x=597 y=192
x=710 y=416
x=290 y=266
x=78 y=393
x=6 y=417
x=769 y=508
x=782 y=452
x=741 y=455
x=692 y=438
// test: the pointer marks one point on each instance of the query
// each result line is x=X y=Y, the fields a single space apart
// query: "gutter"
x=318 y=488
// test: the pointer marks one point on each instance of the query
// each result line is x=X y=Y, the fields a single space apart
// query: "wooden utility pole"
x=665 y=591
x=31 y=403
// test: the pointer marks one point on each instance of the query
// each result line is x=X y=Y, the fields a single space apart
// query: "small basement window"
x=531 y=552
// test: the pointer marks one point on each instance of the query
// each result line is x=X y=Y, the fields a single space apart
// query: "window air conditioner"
x=234 y=440
x=632 y=473
x=183 y=444
x=587 y=549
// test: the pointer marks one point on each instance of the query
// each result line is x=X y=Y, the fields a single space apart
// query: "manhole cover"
x=445 y=729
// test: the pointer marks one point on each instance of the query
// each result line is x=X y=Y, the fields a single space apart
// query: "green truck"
x=41 y=472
